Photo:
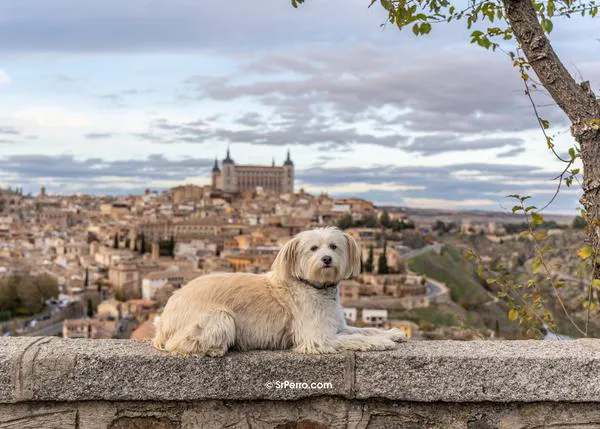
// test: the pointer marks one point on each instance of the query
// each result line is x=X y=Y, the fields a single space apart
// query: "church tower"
x=287 y=181
x=216 y=175
x=228 y=175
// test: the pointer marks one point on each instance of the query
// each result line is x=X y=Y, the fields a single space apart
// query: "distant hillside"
x=477 y=307
x=477 y=216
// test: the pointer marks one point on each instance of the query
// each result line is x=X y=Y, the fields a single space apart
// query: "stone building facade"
x=184 y=193
x=240 y=178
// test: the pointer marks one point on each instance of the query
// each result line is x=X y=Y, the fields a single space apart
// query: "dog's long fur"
x=296 y=305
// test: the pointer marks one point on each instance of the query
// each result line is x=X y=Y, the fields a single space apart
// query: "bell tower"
x=287 y=181
x=228 y=176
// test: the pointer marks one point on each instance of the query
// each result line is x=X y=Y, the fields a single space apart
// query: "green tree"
x=90 y=308
x=399 y=225
x=521 y=27
x=370 y=260
x=441 y=227
x=25 y=294
x=172 y=246
x=87 y=277
x=345 y=222
x=127 y=243
x=578 y=223
x=385 y=220
x=116 y=241
x=46 y=285
x=142 y=244
x=369 y=221
x=382 y=263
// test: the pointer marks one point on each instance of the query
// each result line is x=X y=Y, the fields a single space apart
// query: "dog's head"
x=321 y=256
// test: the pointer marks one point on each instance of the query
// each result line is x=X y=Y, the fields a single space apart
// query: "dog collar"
x=318 y=286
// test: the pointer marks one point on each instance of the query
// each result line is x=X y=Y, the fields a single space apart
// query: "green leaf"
x=536 y=266
x=536 y=218
x=547 y=25
x=585 y=252
x=387 y=5
x=524 y=234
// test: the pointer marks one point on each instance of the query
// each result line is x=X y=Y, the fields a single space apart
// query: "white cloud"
x=448 y=204
x=357 y=187
x=48 y=117
x=4 y=77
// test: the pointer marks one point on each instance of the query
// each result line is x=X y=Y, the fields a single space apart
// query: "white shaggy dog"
x=296 y=305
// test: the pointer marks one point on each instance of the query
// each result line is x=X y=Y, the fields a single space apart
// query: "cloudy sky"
x=115 y=96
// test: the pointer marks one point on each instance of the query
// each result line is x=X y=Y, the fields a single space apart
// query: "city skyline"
x=146 y=97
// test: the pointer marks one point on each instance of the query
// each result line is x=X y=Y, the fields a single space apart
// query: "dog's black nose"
x=326 y=260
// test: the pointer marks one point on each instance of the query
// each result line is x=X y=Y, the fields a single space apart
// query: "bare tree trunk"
x=576 y=100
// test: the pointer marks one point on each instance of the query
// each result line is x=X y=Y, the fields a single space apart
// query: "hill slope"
x=480 y=308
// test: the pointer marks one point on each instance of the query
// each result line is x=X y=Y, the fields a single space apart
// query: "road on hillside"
x=434 y=290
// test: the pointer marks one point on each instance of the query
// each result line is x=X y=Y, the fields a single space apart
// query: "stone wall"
x=54 y=383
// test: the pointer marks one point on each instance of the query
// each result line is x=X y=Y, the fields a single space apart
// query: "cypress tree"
x=143 y=245
x=382 y=266
x=90 y=308
x=385 y=219
x=172 y=246
x=369 y=263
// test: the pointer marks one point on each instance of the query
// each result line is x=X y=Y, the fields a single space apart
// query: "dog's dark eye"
x=314 y=248
x=332 y=246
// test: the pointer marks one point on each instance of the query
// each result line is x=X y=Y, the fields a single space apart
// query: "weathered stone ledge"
x=56 y=370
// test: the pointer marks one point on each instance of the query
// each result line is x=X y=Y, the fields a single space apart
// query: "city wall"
x=79 y=384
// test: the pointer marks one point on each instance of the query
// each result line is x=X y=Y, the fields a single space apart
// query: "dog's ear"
x=285 y=261
x=353 y=268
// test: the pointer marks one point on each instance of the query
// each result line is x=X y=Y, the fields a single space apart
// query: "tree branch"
x=572 y=98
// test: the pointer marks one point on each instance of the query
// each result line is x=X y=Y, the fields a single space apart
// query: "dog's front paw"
x=314 y=349
x=383 y=344
x=396 y=335
x=366 y=344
